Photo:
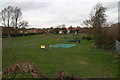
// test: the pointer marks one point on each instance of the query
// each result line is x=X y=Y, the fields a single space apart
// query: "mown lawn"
x=81 y=59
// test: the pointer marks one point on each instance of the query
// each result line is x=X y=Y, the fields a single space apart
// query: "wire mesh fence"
x=104 y=48
x=115 y=47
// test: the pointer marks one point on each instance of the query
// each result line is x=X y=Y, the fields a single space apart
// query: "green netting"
x=63 y=45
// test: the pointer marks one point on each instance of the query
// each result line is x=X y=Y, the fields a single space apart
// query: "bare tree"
x=6 y=16
x=3 y=18
x=97 y=16
x=97 y=20
x=87 y=23
x=23 y=25
x=9 y=11
x=119 y=31
x=16 y=16
x=10 y=16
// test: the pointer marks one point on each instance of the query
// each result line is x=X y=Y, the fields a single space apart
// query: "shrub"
x=88 y=37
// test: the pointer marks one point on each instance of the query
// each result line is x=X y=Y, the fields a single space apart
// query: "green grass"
x=81 y=59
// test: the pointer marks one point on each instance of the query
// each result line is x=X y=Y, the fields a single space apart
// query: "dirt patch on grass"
x=83 y=62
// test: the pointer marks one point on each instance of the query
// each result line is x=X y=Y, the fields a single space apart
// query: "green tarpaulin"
x=63 y=45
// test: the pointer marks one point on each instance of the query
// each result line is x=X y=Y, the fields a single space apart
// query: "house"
x=87 y=30
x=60 y=31
x=33 y=30
x=69 y=29
x=77 y=29
x=8 y=30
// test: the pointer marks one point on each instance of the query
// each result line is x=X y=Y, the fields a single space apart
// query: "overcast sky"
x=47 y=13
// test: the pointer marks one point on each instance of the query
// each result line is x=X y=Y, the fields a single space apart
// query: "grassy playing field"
x=81 y=59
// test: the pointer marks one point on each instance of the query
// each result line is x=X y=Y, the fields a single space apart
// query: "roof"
x=60 y=30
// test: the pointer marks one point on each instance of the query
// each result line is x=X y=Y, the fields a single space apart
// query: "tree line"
x=12 y=17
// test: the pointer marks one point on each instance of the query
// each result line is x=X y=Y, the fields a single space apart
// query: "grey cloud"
x=111 y=5
x=68 y=12
x=26 y=6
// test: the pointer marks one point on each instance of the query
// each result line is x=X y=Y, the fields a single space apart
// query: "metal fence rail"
x=118 y=47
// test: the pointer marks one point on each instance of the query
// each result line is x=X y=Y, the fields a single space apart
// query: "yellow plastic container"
x=42 y=46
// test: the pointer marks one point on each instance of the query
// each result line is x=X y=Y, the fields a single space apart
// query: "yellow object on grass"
x=42 y=46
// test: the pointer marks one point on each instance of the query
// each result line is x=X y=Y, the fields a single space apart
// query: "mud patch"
x=83 y=62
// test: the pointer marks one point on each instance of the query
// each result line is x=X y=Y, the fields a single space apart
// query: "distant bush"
x=88 y=37
x=18 y=34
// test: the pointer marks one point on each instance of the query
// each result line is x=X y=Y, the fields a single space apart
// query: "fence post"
x=102 y=48
x=118 y=47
